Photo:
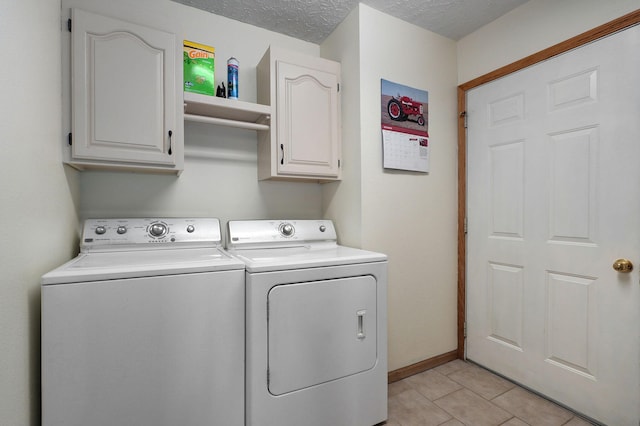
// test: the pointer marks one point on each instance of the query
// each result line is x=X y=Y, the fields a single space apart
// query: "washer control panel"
x=143 y=233
x=267 y=233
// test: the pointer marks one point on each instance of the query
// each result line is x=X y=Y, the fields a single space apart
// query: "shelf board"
x=227 y=112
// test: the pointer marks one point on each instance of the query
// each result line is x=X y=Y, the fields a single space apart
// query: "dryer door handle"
x=360 y=315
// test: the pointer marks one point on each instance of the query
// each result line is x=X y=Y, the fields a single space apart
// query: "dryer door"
x=320 y=331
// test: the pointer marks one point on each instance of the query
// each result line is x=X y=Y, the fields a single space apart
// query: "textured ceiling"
x=314 y=20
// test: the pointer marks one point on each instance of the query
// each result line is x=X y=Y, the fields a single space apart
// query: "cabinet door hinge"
x=338 y=163
x=464 y=225
x=465 y=329
x=463 y=115
x=338 y=87
x=69 y=24
x=70 y=139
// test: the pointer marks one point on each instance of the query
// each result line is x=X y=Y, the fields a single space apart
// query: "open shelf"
x=226 y=112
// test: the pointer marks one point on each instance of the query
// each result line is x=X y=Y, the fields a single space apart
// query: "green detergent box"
x=199 y=67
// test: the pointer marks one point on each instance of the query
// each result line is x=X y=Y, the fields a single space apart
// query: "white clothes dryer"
x=316 y=325
x=144 y=327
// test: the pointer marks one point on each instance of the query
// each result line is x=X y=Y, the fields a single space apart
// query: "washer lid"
x=304 y=256
x=141 y=263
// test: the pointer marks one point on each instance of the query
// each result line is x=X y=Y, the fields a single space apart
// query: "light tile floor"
x=461 y=393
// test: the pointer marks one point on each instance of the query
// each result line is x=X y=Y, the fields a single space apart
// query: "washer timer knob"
x=286 y=229
x=100 y=230
x=190 y=229
x=323 y=228
x=121 y=230
x=157 y=230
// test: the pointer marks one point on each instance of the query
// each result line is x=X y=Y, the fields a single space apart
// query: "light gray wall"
x=530 y=28
x=38 y=220
x=341 y=200
x=412 y=216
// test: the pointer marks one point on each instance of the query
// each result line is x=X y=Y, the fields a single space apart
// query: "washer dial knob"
x=287 y=229
x=121 y=230
x=100 y=230
x=158 y=230
x=190 y=229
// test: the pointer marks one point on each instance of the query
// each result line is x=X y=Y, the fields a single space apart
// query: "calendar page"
x=405 y=134
x=405 y=151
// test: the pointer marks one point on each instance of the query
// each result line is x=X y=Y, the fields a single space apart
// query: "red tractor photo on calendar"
x=402 y=108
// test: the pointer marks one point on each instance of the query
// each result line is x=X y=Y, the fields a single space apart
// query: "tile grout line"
x=508 y=390
x=514 y=417
x=476 y=394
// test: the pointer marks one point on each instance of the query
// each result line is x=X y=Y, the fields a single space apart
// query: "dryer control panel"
x=146 y=233
x=278 y=233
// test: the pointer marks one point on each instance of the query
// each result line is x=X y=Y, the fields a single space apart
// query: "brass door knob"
x=623 y=265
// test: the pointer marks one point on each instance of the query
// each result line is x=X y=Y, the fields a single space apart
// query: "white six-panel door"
x=553 y=200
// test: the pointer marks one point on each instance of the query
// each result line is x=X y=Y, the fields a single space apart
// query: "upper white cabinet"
x=304 y=140
x=125 y=109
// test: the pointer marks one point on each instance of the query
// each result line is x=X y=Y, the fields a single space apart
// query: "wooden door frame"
x=601 y=31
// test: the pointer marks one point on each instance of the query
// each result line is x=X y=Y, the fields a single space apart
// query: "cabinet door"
x=307 y=121
x=123 y=95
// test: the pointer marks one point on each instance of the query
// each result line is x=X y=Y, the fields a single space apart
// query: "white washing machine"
x=316 y=325
x=145 y=327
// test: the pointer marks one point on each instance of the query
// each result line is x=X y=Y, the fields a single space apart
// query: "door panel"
x=571 y=332
x=553 y=200
x=112 y=56
x=320 y=331
x=505 y=306
x=506 y=189
x=572 y=197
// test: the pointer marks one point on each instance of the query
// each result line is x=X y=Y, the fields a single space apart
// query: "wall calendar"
x=405 y=129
